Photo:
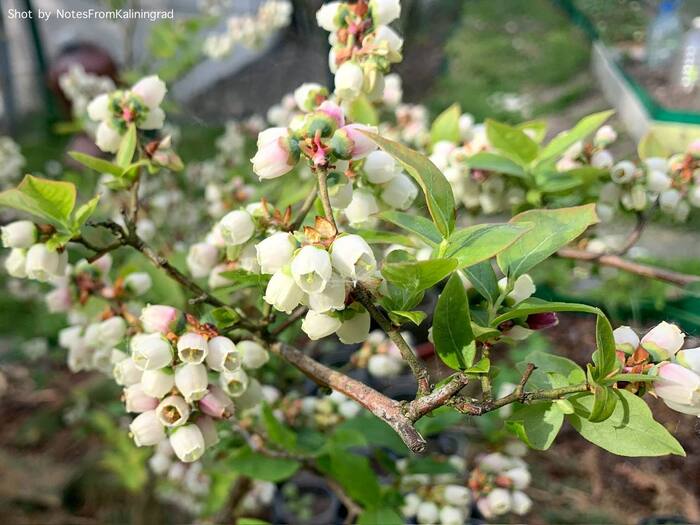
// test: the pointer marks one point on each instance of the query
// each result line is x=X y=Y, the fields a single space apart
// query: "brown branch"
x=293 y=318
x=386 y=409
x=634 y=235
x=644 y=270
x=439 y=397
x=419 y=370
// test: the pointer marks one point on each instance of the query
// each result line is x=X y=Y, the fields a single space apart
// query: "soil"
x=657 y=84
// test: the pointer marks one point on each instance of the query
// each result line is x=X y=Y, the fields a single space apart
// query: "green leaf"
x=482 y=366
x=258 y=466
x=494 y=162
x=581 y=130
x=83 y=213
x=630 y=430
x=651 y=146
x=452 y=331
x=276 y=432
x=605 y=357
x=430 y=466
x=484 y=280
x=512 y=142
x=356 y=476
x=420 y=275
x=385 y=237
x=416 y=224
x=437 y=191
x=538 y=128
x=375 y=431
x=127 y=147
x=554 y=364
x=604 y=402
x=440 y=419
x=363 y=112
x=538 y=306
x=536 y=425
x=415 y=316
x=446 y=126
x=631 y=378
x=380 y=516
x=50 y=200
x=96 y=163
x=243 y=279
x=480 y=242
x=552 y=229
x=224 y=316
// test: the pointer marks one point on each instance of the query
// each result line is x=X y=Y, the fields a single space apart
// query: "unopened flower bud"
x=216 y=403
x=349 y=79
x=138 y=283
x=223 y=354
x=602 y=159
x=350 y=143
x=201 y=259
x=158 y=318
x=275 y=252
x=19 y=234
x=192 y=348
x=521 y=503
x=658 y=181
x=308 y=95
x=380 y=167
x=340 y=194
x=605 y=136
x=150 y=351
x=523 y=288
x=59 y=300
x=386 y=36
x=428 y=513
x=450 y=515
x=327 y=16
x=207 y=427
x=355 y=329
x=689 y=358
x=111 y=331
x=331 y=298
x=400 y=192
x=457 y=495
x=191 y=381
x=519 y=476
x=282 y=292
x=383 y=366
x=253 y=355
x=656 y=163
x=234 y=383
x=542 y=321
x=277 y=153
x=499 y=501
x=126 y=373
x=16 y=263
x=173 y=411
x=411 y=502
x=318 y=325
x=385 y=11
x=679 y=388
x=157 y=383
x=694 y=195
x=626 y=340
x=668 y=200
x=237 y=227
x=352 y=257
x=188 y=443
x=311 y=269
x=663 y=341
x=136 y=400
x=146 y=430
x=42 y=263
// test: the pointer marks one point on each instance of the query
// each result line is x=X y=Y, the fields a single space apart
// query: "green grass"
x=509 y=46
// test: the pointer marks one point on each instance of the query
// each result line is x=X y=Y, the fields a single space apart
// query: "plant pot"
x=322 y=510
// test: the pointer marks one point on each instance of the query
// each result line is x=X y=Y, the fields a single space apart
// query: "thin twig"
x=325 y=199
x=293 y=318
x=634 y=235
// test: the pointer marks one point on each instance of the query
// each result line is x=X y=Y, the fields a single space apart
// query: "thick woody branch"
x=644 y=270
x=384 y=408
x=419 y=370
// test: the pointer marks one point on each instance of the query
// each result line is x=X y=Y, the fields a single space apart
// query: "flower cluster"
x=166 y=380
x=327 y=411
x=117 y=110
x=80 y=88
x=672 y=184
x=380 y=356
x=498 y=483
x=251 y=31
x=29 y=258
x=11 y=161
x=363 y=46
x=676 y=372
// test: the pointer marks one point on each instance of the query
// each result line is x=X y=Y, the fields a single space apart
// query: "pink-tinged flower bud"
x=679 y=388
x=542 y=321
x=349 y=79
x=19 y=234
x=157 y=383
x=626 y=340
x=146 y=430
x=282 y=292
x=201 y=259
x=126 y=373
x=188 y=443
x=234 y=383
x=689 y=358
x=350 y=143
x=207 y=427
x=605 y=136
x=223 y=354
x=237 y=227
x=16 y=263
x=521 y=503
x=694 y=148
x=151 y=351
x=138 y=283
x=216 y=403
x=277 y=154
x=173 y=411
x=158 y=318
x=334 y=111
x=42 y=263
x=275 y=251
x=136 y=400
x=663 y=341
x=400 y=192
x=311 y=269
x=355 y=329
x=59 y=300
x=191 y=381
x=450 y=515
x=192 y=348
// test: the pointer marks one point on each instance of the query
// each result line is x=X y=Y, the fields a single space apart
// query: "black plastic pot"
x=325 y=509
